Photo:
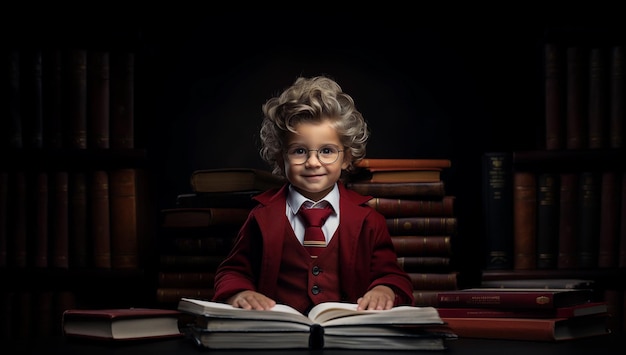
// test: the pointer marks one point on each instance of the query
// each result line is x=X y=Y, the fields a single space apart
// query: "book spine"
x=59 y=237
x=496 y=299
x=171 y=262
x=404 y=163
x=78 y=252
x=617 y=114
x=422 y=225
x=608 y=243
x=597 y=117
x=498 y=209
x=425 y=298
x=31 y=99
x=124 y=238
x=18 y=220
x=568 y=217
x=576 y=99
x=12 y=133
x=77 y=99
x=100 y=219
x=589 y=220
x=547 y=220
x=195 y=245
x=415 y=191
x=622 y=226
x=415 y=245
x=122 y=111
x=98 y=99
x=524 y=220
x=396 y=208
x=53 y=97
x=434 y=281
x=554 y=120
x=424 y=263
x=171 y=295
x=40 y=225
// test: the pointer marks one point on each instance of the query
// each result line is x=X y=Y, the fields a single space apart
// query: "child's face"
x=312 y=178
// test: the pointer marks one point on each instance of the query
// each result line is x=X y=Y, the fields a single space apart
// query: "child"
x=310 y=134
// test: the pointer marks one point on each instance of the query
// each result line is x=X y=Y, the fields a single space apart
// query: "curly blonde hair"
x=311 y=100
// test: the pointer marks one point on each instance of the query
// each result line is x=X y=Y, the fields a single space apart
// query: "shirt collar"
x=295 y=199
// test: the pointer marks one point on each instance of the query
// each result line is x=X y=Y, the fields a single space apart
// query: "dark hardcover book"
x=576 y=99
x=497 y=189
x=11 y=129
x=408 y=190
x=234 y=179
x=616 y=97
x=59 y=234
x=518 y=298
x=78 y=235
x=122 y=96
x=422 y=298
x=230 y=199
x=31 y=97
x=418 y=245
x=77 y=99
x=397 y=207
x=171 y=295
x=434 y=281
x=539 y=283
x=578 y=310
x=597 y=113
x=175 y=262
x=424 y=263
x=532 y=329
x=554 y=94
x=547 y=220
x=608 y=243
x=123 y=203
x=395 y=175
x=422 y=225
x=98 y=100
x=589 y=220
x=524 y=220
x=395 y=163
x=17 y=220
x=53 y=98
x=38 y=219
x=568 y=217
x=100 y=220
x=622 y=226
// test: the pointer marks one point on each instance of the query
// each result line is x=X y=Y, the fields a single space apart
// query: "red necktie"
x=314 y=218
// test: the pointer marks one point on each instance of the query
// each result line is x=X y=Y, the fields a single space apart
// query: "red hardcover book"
x=408 y=190
x=121 y=324
x=393 y=163
x=582 y=309
x=417 y=245
x=396 y=207
x=535 y=329
x=519 y=298
x=422 y=225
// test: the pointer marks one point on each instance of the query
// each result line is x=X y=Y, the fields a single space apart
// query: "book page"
x=222 y=310
x=337 y=313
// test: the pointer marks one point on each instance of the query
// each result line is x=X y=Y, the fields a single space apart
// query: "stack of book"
x=198 y=232
x=328 y=325
x=525 y=312
x=420 y=215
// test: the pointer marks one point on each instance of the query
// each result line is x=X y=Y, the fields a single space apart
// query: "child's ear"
x=347 y=159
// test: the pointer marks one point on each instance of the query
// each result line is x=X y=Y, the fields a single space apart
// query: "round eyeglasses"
x=326 y=155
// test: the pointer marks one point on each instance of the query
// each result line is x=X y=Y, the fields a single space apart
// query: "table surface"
x=609 y=344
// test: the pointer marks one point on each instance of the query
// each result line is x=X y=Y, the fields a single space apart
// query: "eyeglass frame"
x=317 y=154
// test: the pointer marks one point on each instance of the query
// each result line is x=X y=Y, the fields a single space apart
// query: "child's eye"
x=298 y=151
x=327 y=150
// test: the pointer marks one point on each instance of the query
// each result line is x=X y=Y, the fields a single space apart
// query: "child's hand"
x=251 y=300
x=380 y=297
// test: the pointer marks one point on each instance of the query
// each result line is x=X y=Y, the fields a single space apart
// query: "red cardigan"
x=366 y=254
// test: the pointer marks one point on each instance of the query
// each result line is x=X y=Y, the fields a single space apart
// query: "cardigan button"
x=316 y=270
x=315 y=290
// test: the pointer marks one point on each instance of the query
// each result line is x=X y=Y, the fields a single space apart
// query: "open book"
x=328 y=325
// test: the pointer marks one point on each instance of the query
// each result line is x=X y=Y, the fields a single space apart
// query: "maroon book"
x=520 y=298
x=121 y=323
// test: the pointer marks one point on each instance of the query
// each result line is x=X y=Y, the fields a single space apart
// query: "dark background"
x=433 y=82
